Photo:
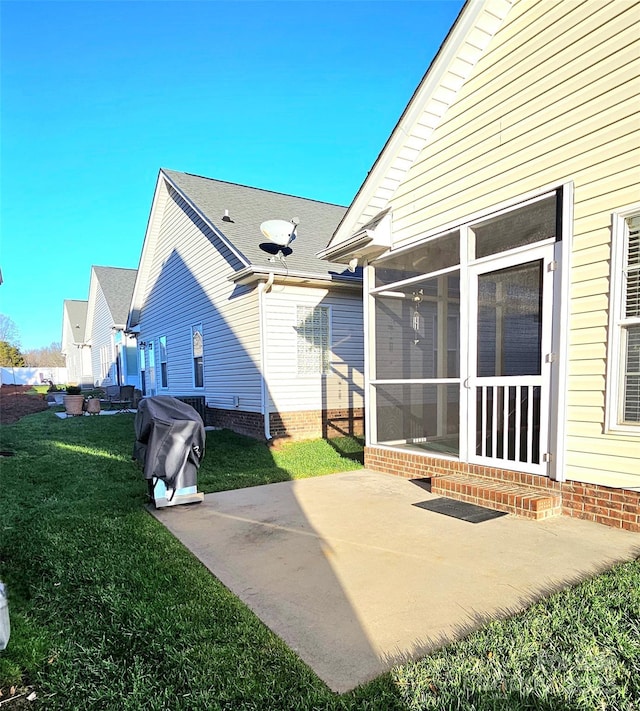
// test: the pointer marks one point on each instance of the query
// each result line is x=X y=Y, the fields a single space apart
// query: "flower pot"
x=92 y=406
x=73 y=404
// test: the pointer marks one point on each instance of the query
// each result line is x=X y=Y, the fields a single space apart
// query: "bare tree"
x=46 y=357
x=9 y=331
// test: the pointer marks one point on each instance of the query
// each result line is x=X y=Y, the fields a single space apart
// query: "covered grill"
x=169 y=447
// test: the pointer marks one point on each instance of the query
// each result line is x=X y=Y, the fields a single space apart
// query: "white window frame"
x=325 y=367
x=105 y=363
x=197 y=328
x=142 y=365
x=618 y=322
x=153 y=385
x=163 y=358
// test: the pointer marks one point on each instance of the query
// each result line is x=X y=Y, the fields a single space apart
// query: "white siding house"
x=113 y=350
x=75 y=349
x=499 y=230
x=269 y=340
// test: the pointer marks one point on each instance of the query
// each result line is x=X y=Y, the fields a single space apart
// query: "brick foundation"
x=240 y=421
x=306 y=424
x=516 y=492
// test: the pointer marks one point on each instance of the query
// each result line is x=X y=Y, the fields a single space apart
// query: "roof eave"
x=360 y=245
x=253 y=275
x=453 y=42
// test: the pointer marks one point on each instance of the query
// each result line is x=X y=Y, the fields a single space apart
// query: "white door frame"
x=545 y=253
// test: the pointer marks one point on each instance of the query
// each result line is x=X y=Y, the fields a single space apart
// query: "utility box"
x=169 y=447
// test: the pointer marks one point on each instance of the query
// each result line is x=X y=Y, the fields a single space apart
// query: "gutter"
x=263 y=289
x=347 y=248
x=250 y=275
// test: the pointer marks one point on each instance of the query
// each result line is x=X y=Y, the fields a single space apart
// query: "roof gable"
x=234 y=214
x=75 y=313
x=116 y=284
x=467 y=40
x=117 y=287
x=237 y=211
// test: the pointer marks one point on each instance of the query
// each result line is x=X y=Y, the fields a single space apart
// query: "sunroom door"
x=508 y=388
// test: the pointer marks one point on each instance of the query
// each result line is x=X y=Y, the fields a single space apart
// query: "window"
x=152 y=369
x=313 y=339
x=531 y=223
x=105 y=363
x=197 y=347
x=143 y=384
x=163 y=362
x=624 y=335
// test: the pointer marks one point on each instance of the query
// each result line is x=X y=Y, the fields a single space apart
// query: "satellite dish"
x=280 y=232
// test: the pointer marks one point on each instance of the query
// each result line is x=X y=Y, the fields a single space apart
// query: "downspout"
x=263 y=289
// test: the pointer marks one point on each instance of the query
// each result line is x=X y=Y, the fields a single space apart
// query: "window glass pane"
x=197 y=342
x=422 y=417
x=632 y=375
x=198 y=373
x=417 y=330
x=152 y=370
x=198 y=347
x=313 y=339
x=509 y=333
x=163 y=348
x=525 y=225
x=432 y=256
x=633 y=268
x=131 y=360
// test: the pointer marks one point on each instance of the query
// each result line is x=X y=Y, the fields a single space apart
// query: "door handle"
x=466 y=384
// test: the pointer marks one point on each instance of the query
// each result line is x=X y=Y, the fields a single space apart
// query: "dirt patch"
x=18 y=698
x=15 y=403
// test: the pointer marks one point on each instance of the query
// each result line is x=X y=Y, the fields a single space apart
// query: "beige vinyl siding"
x=553 y=99
x=505 y=136
x=343 y=386
x=188 y=285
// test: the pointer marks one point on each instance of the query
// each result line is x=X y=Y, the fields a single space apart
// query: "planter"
x=92 y=406
x=74 y=404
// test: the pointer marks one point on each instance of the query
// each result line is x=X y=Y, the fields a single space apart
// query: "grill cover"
x=170 y=441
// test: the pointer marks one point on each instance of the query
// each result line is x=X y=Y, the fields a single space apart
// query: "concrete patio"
x=355 y=577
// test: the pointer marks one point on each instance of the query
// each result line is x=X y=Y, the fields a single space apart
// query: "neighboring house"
x=500 y=227
x=75 y=349
x=269 y=339
x=113 y=350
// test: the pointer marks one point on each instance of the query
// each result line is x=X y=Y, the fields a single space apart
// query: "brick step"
x=529 y=501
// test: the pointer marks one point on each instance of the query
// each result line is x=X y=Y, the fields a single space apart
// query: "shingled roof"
x=249 y=207
x=77 y=317
x=117 y=286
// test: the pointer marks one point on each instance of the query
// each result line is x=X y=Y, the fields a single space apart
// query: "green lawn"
x=108 y=611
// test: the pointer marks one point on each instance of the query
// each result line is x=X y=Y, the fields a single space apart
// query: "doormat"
x=461 y=510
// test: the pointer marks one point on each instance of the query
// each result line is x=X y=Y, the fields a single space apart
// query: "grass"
x=109 y=611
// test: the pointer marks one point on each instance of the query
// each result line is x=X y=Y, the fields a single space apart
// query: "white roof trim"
x=252 y=274
x=160 y=195
x=232 y=248
x=478 y=21
x=160 y=198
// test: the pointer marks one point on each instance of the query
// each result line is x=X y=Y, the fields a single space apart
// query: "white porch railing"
x=508 y=422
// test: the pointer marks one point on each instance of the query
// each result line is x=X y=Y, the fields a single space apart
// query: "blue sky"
x=297 y=97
